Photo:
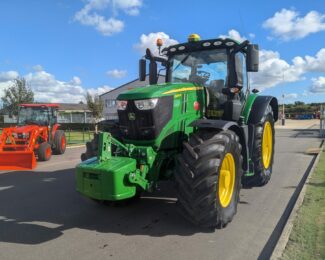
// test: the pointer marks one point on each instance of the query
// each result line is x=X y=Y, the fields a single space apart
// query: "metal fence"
x=78 y=137
x=322 y=123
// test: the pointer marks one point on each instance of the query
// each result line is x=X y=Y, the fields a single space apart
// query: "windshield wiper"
x=182 y=61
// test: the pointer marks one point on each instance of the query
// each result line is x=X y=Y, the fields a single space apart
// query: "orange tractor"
x=36 y=135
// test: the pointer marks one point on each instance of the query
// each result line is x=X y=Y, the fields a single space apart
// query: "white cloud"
x=291 y=96
x=149 y=41
x=107 y=26
x=318 y=85
x=287 y=24
x=314 y=64
x=274 y=71
x=38 y=68
x=235 y=35
x=75 y=81
x=130 y=7
x=99 y=90
x=4 y=85
x=118 y=74
x=8 y=75
x=49 y=89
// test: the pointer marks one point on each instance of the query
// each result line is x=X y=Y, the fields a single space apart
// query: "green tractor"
x=204 y=129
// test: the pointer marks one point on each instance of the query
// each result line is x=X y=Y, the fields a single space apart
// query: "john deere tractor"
x=204 y=129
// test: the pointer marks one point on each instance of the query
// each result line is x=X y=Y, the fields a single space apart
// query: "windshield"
x=33 y=115
x=208 y=67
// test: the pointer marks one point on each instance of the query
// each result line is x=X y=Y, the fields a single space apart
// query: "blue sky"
x=64 y=48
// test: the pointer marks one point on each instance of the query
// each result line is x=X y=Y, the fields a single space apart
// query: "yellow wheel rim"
x=227 y=177
x=267 y=145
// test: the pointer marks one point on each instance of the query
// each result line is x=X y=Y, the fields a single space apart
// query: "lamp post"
x=322 y=122
x=283 y=114
x=283 y=96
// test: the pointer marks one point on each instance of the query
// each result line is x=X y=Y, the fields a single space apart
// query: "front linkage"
x=119 y=176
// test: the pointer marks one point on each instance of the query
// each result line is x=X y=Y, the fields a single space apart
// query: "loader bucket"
x=17 y=160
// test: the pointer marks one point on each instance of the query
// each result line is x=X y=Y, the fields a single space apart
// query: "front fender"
x=259 y=107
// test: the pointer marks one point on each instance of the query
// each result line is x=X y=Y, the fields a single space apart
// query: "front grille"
x=138 y=124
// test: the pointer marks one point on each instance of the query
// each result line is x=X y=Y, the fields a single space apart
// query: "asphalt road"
x=43 y=217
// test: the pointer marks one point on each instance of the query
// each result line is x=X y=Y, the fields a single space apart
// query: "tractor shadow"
x=36 y=207
x=305 y=133
x=297 y=133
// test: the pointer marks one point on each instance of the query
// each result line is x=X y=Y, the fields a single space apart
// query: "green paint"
x=136 y=178
x=173 y=134
x=106 y=180
x=247 y=174
x=153 y=91
x=105 y=144
x=140 y=163
x=248 y=106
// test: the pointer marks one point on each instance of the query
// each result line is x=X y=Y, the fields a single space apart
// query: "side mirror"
x=142 y=69
x=153 y=76
x=252 y=58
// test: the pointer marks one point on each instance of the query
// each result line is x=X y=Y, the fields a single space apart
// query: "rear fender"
x=222 y=125
x=54 y=128
x=259 y=107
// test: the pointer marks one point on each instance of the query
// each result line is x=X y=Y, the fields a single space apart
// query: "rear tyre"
x=263 y=153
x=60 y=142
x=44 y=152
x=208 y=178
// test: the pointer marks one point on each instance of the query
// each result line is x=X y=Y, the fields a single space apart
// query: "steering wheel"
x=204 y=75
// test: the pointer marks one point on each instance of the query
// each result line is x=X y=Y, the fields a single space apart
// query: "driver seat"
x=215 y=88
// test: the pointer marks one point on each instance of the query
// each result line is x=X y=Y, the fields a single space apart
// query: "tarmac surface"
x=43 y=217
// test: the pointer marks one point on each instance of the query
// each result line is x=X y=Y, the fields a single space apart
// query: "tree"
x=96 y=107
x=17 y=94
x=299 y=103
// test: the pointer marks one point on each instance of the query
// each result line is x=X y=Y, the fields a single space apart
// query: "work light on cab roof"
x=194 y=37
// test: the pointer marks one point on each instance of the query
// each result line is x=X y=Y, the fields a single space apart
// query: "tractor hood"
x=25 y=128
x=153 y=91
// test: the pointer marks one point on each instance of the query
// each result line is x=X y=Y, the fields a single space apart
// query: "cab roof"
x=200 y=45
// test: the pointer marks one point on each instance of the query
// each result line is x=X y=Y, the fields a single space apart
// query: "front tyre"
x=208 y=178
x=44 y=152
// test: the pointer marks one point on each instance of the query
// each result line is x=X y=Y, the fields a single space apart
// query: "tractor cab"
x=37 y=114
x=219 y=65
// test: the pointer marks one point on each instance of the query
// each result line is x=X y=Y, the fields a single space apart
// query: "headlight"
x=146 y=104
x=121 y=104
